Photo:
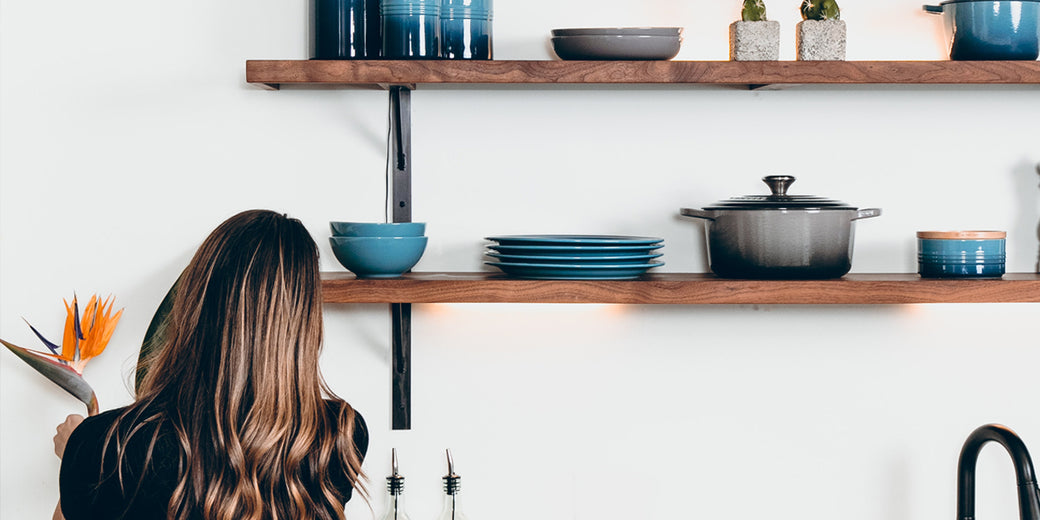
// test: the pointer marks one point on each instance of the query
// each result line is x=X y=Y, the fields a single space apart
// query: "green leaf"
x=59 y=373
x=155 y=336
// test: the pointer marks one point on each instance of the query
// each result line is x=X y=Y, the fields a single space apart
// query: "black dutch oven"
x=780 y=236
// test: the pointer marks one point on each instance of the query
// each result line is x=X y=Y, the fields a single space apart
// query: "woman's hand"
x=64 y=430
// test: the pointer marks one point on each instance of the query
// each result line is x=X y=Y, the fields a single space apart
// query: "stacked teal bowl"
x=961 y=254
x=376 y=249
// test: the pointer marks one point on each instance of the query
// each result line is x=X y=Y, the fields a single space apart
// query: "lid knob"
x=779 y=183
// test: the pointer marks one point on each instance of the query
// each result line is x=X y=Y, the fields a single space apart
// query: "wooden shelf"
x=383 y=73
x=679 y=288
x=401 y=76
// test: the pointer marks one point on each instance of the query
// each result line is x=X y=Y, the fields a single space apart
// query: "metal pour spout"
x=452 y=481
x=395 y=482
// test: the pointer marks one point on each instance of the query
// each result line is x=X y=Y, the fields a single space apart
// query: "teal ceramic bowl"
x=377 y=229
x=378 y=257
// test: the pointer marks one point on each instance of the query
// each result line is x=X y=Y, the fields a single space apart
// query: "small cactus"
x=753 y=11
x=820 y=10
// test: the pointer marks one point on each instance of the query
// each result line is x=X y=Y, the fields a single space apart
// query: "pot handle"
x=696 y=213
x=867 y=213
x=933 y=9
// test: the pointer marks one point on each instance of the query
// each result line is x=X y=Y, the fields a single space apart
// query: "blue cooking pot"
x=991 y=30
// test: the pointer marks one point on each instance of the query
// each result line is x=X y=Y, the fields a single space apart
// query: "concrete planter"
x=754 y=41
x=821 y=40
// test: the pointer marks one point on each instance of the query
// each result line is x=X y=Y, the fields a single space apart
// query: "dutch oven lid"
x=779 y=199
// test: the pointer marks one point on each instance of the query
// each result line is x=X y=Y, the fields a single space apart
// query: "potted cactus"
x=754 y=38
x=820 y=36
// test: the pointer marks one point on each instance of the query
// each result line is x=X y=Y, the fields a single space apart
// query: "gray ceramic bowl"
x=377 y=229
x=616 y=47
x=673 y=32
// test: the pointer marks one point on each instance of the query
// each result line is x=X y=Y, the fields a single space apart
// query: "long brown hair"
x=237 y=380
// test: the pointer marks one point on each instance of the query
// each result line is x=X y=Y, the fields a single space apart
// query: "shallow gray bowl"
x=673 y=32
x=616 y=47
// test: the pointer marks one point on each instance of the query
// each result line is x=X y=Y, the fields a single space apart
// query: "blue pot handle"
x=934 y=9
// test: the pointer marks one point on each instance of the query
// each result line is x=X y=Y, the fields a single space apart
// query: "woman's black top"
x=85 y=494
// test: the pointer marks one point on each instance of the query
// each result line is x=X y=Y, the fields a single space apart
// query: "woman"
x=230 y=421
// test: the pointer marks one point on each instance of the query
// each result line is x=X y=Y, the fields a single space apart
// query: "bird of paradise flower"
x=83 y=340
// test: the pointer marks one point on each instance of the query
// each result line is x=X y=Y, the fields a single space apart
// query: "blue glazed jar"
x=345 y=29
x=411 y=29
x=466 y=29
x=961 y=254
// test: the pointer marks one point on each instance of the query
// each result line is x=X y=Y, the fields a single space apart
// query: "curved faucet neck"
x=1028 y=492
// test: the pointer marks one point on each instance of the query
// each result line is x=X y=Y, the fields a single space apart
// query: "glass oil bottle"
x=452 y=486
x=395 y=489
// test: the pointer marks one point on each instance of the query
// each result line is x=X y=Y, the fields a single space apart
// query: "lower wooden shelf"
x=678 y=288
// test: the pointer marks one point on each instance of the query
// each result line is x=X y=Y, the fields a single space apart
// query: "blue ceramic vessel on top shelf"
x=991 y=29
x=466 y=29
x=411 y=29
x=345 y=29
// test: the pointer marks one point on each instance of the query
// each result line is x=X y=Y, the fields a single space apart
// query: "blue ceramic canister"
x=939 y=270
x=961 y=254
x=345 y=29
x=466 y=29
x=411 y=29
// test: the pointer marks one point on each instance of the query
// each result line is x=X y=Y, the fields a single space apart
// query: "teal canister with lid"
x=466 y=29
x=411 y=29
x=961 y=254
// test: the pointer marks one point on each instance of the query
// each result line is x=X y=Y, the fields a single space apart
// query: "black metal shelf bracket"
x=399 y=198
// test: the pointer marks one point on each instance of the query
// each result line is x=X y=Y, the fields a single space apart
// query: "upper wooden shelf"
x=679 y=288
x=383 y=73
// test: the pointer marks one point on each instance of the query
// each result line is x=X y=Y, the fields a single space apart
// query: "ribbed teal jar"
x=961 y=254
x=466 y=29
x=411 y=29
x=345 y=29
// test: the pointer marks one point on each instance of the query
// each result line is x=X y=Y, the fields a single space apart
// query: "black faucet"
x=1028 y=492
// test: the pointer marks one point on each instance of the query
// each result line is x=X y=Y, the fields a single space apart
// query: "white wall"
x=128 y=132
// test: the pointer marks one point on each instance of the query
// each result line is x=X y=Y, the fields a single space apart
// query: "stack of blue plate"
x=574 y=257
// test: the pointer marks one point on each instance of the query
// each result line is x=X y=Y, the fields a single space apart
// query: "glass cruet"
x=452 y=486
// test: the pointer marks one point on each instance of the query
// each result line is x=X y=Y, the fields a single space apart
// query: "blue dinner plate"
x=573 y=271
x=577 y=259
x=574 y=240
x=575 y=250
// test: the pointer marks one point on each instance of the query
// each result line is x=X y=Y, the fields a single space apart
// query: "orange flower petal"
x=68 y=341
x=89 y=315
x=101 y=332
x=106 y=333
